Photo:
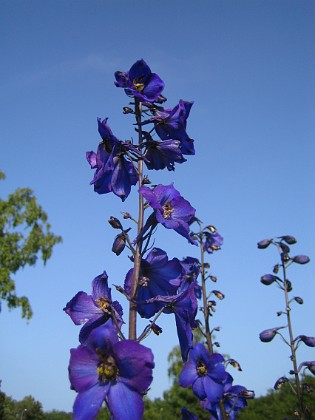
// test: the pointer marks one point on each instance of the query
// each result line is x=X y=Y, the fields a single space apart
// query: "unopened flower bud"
x=126 y=215
x=161 y=99
x=248 y=394
x=268 y=335
x=280 y=382
x=119 y=244
x=218 y=294
x=211 y=303
x=276 y=268
x=213 y=278
x=298 y=300
x=288 y=285
x=216 y=343
x=264 y=243
x=289 y=239
x=301 y=259
x=127 y=110
x=268 y=279
x=284 y=247
x=156 y=329
x=114 y=222
x=211 y=228
x=235 y=364
x=146 y=181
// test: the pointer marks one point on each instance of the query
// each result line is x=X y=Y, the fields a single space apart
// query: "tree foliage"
x=24 y=236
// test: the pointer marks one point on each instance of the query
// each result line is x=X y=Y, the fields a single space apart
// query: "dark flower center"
x=104 y=304
x=144 y=281
x=201 y=369
x=107 y=368
x=167 y=210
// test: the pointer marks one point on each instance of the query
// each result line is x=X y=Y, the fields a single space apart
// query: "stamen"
x=167 y=210
x=201 y=369
x=103 y=304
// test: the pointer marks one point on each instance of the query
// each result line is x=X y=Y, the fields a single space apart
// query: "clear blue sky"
x=249 y=67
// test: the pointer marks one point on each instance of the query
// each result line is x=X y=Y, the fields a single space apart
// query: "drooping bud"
x=156 y=329
x=268 y=335
x=288 y=285
x=247 y=394
x=218 y=294
x=115 y=223
x=213 y=278
x=126 y=215
x=280 y=382
x=119 y=244
x=127 y=110
x=298 y=300
x=161 y=99
x=309 y=341
x=268 y=279
x=211 y=228
x=235 y=364
x=301 y=259
x=284 y=248
x=217 y=344
x=276 y=269
x=289 y=239
x=264 y=243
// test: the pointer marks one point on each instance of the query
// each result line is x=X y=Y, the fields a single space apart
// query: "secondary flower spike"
x=140 y=82
x=105 y=369
x=170 y=209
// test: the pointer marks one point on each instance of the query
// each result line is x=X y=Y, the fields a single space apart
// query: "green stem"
x=292 y=344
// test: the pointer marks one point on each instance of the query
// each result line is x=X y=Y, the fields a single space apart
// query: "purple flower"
x=93 y=310
x=309 y=341
x=140 y=82
x=205 y=372
x=170 y=123
x=184 y=306
x=234 y=399
x=105 y=369
x=163 y=154
x=213 y=241
x=158 y=276
x=170 y=209
x=114 y=173
x=191 y=267
x=268 y=335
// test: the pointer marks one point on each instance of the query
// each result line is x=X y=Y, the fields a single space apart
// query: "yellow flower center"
x=107 y=369
x=138 y=85
x=201 y=369
x=103 y=304
x=167 y=210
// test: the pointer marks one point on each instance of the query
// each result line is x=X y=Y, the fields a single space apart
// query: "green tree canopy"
x=24 y=236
